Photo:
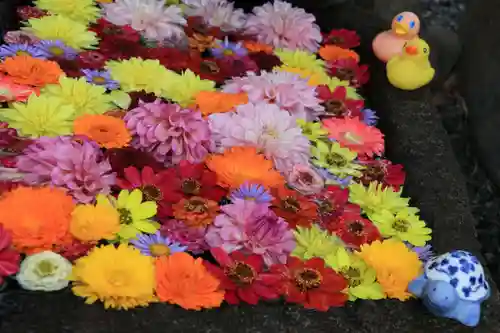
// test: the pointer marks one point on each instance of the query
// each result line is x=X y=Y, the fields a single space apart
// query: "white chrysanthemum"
x=151 y=18
x=216 y=13
x=45 y=271
x=266 y=127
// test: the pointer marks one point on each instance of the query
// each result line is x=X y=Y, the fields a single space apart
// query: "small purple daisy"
x=252 y=192
x=57 y=49
x=156 y=245
x=424 y=252
x=369 y=117
x=227 y=49
x=332 y=179
x=11 y=50
x=100 y=78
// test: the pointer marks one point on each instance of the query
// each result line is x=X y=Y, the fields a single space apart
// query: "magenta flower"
x=170 y=133
x=77 y=165
x=192 y=238
x=9 y=258
x=253 y=228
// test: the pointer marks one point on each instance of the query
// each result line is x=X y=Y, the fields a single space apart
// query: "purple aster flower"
x=100 y=78
x=156 y=245
x=369 y=117
x=227 y=49
x=424 y=252
x=11 y=50
x=57 y=49
x=333 y=179
x=252 y=192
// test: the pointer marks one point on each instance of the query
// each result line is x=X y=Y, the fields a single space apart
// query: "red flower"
x=117 y=42
x=237 y=66
x=9 y=259
x=70 y=67
x=337 y=104
x=311 y=283
x=383 y=172
x=196 y=24
x=173 y=59
x=122 y=158
x=208 y=68
x=243 y=277
x=75 y=249
x=343 y=38
x=295 y=208
x=348 y=69
x=29 y=12
x=265 y=61
x=333 y=205
x=354 y=230
x=91 y=60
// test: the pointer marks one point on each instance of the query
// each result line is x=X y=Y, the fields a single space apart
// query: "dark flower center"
x=353 y=276
x=345 y=74
x=400 y=225
x=210 y=67
x=357 y=228
x=335 y=107
x=291 y=204
x=111 y=30
x=306 y=178
x=190 y=187
x=374 y=173
x=308 y=278
x=152 y=193
x=336 y=160
x=336 y=40
x=196 y=206
x=325 y=207
x=241 y=273
x=125 y=216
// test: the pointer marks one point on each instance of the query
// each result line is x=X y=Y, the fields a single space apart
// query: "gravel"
x=443 y=12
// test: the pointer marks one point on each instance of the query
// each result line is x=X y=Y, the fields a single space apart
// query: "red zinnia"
x=71 y=67
x=383 y=172
x=354 y=230
x=117 y=42
x=311 y=283
x=75 y=249
x=295 y=208
x=122 y=158
x=173 y=59
x=343 y=38
x=348 y=69
x=337 y=104
x=9 y=258
x=243 y=277
x=265 y=61
x=208 y=68
x=91 y=60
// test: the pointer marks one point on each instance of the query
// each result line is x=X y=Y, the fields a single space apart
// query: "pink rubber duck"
x=387 y=44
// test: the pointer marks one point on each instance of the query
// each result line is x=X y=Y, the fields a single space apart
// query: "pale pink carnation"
x=193 y=238
x=265 y=126
x=287 y=90
x=283 y=26
x=304 y=179
x=217 y=13
x=254 y=228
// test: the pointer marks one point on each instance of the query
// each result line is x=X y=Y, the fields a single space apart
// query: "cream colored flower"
x=45 y=271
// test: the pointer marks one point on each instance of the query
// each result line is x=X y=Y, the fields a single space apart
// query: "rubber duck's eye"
x=425 y=50
x=412 y=24
x=399 y=18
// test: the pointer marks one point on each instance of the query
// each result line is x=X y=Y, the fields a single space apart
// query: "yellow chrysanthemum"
x=184 y=88
x=334 y=82
x=40 y=116
x=312 y=130
x=403 y=225
x=136 y=74
x=120 y=277
x=135 y=215
x=361 y=277
x=58 y=27
x=91 y=223
x=85 y=98
x=395 y=265
x=314 y=242
x=336 y=159
x=375 y=198
x=302 y=60
x=83 y=11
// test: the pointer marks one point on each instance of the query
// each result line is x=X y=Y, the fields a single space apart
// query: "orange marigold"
x=333 y=52
x=219 y=102
x=196 y=211
x=108 y=131
x=24 y=69
x=296 y=209
x=38 y=218
x=239 y=165
x=183 y=280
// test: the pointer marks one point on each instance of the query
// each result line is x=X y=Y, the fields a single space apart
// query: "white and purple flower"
x=11 y=50
x=57 y=49
x=100 y=78
x=156 y=245
x=227 y=49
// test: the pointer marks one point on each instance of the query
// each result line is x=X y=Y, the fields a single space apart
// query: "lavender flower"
x=332 y=179
x=11 y=50
x=252 y=192
x=424 y=252
x=227 y=49
x=156 y=245
x=57 y=49
x=100 y=78
x=369 y=117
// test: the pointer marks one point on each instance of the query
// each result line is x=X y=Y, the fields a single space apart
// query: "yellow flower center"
x=45 y=268
x=22 y=53
x=56 y=50
x=98 y=80
x=118 y=278
x=353 y=276
x=228 y=52
x=335 y=159
x=400 y=225
x=159 y=250
x=125 y=216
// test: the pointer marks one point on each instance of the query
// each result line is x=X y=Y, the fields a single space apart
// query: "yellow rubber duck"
x=411 y=69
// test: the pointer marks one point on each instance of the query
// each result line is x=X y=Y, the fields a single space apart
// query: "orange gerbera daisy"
x=183 y=280
x=254 y=47
x=333 y=52
x=31 y=71
x=219 y=102
x=296 y=209
x=196 y=211
x=239 y=165
x=108 y=131
x=37 y=218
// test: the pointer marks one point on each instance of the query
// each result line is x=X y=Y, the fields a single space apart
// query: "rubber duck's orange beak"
x=411 y=50
x=400 y=29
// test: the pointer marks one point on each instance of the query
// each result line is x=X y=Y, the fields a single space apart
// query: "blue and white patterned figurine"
x=453 y=286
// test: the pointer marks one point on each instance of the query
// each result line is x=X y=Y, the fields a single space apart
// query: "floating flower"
x=57 y=49
x=333 y=83
x=256 y=47
x=376 y=198
x=74 y=249
x=314 y=242
x=266 y=127
x=78 y=166
x=252 y=192
x=45 y=271
x=191 y=237
x=383 y=172
x=12 y=50
x=183 y=280
x=122 y=158
x=311 y=284
x=369 y=117
x=301 y=60
x=243 y=277
x=91 y=223
x=156 y=245
x=58 y=27
x=312 y=130
x=216 y=13
x=395 y=265
x=333 y=52
x=20 y=37
x=37 y=218
x=120 y=277
x=348 y=69
x=354 y=230
x=247 y=225
x=337 y=160
x=196 y=211
x=151 y=18
x=403 y=225
x=424 y=252
x=84 y=11
x=295 y=208
x=337 y=104
x=169 y=132
x=283 y=26
x=353 y=134
x=100 y=78
x=210 y=102
x=9 y=258
x=227 y=49
x=239 y=165
x=201 y=42
x=31 y=71
x=107 y=131
x=12 y=92
x=184 y=88
x=305 y=180
x=344 y=38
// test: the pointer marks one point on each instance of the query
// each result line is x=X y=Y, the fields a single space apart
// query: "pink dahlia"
x=265 y=126
x=253 y=228
x=286 y=90
x=355 y=135
x=170 y=133
x=77 y=165
x=216 y=13
x=192 y=237
x=283 y=26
